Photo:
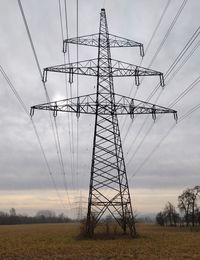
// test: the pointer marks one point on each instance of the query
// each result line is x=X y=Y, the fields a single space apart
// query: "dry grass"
x=59 y=241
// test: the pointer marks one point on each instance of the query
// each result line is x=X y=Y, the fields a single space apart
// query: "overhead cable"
x=67 y=96
x=35 y=130
x=59 y=152
x=146 y=50
x=168 y=31
x=183 y=117
x=170 y=70
x=77 y=78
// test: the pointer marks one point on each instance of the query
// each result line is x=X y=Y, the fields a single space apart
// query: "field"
x=60 y=241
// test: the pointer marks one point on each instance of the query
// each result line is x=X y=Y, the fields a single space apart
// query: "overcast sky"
x=24 y=179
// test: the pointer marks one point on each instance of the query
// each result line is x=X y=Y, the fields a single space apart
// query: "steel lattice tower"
x=108 y=190
x=108 y=167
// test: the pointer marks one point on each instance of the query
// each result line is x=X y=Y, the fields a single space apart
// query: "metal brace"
x=44 y=76
x=55 y=111
x=176 y=117
x=132 y=108
x=137 y=80
x=64 y=46
x=78 y=108
x=71 y=76
x=154 y=113
x=142 y=50
x=32 y=112
x=162 y=81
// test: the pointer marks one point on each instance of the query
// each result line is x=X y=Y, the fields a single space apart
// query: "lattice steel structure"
x=108 y=171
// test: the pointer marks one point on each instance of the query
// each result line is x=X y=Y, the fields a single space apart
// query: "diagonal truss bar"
x=92 y=40
x=87 y=104
x=90 y=68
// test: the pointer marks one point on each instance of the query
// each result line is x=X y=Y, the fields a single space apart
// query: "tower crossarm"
x=92 y=40
x=90 y=68
x=87 y=105
x=87 y=67
x=124 y=69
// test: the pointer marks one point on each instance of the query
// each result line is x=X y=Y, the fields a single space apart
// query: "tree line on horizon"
x=188 y=215
x=42 y=216
x=189 y=210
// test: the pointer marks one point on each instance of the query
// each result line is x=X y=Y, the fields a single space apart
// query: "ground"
x=61 y=241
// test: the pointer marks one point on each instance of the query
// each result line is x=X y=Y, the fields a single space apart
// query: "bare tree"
x=184 y=204
x=45 y=214
x=188 y=204
x=170 y=214
x=12 y=212
x=160 y=219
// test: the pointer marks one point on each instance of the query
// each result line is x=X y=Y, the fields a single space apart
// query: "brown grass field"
x=60 y=241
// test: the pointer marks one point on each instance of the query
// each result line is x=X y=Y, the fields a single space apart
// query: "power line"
x=77 y=50
x=184 y=61
x=55 y=122
x=152 y=151
x=61 y=161
x=77 y=78
x=157 y=26
x=162 y=43
x=187 y=114
x=35 y=130
x=168 y=31
x=67 y=29
x=184 y=50
x=137 y=135
x=70 y=84
x=61 y=23
x=185 y=92
x=172 y=104
x=140 y=144
x=166 y=34
x=59 y=152
x=30 y=38
x=147 y=48
x=178 y=59
x=169 y=71
x=68 y=121
x=37 y=63
x=191 y=111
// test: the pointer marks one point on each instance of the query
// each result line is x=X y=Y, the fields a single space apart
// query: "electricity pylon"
x=108 y=171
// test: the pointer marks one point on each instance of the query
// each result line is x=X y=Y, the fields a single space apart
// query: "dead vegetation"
x=59 y=241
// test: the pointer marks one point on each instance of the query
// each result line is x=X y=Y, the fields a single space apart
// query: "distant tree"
x=61 y=216
x=145 y=220
x=197 y=214
x=43 y=216
x=170 y=214
x=195 y=192
x=188 y=204
x=12 y=212
x=46 y=214
x=2 y=214
x=160 y=220
x=184 y=204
